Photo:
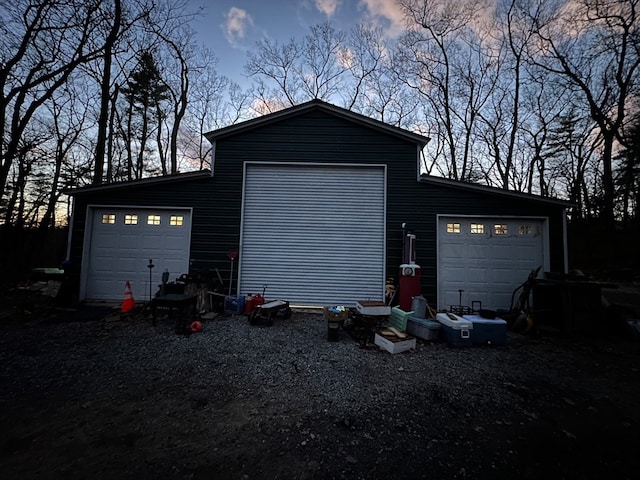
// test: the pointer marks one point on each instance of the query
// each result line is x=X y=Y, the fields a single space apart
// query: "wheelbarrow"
x=268 y=311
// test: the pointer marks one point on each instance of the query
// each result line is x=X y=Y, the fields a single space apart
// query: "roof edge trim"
x=316 y=104
x=447 y=182
x=177 y=177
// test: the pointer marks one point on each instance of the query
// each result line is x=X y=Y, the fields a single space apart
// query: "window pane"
x=477 y=228
x=153 y=220
x=130 y=219
x=500 y=229
x=453 y=228
x=176 y=220
x=109 y=218
x=525 y=230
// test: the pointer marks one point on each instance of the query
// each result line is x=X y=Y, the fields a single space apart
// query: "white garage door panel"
x=128 y=241
x=477 y=252
x=118 y=253
x=314 y=234
x=485 y=266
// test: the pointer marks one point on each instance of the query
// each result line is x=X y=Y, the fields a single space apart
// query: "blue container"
x=234 y=305
x=487 y=331
x=423 y=328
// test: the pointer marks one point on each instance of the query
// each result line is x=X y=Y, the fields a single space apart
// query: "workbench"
x=185 y=304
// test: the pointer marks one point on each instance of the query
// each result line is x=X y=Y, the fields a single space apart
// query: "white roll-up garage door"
x=487 y=258
x=119 y=243
x=314 y=234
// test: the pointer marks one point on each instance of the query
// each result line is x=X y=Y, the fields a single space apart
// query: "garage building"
x=313 y=199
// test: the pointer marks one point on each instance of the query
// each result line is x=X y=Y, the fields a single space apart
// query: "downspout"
x=71 y=271
x=69 y=232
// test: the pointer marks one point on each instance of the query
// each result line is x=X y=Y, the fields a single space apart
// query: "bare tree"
x=300 y=70
x=43 y=43
x=370 y=84
x=176 y=65
x=572 y=144
x=67 y=124
x=175 y=48
x=503 y=118
x=214 y=102
x=105 y=88
x=320 y=71
x=275 y=63
x=432 y=55
x=362 y=58
x=594 y=46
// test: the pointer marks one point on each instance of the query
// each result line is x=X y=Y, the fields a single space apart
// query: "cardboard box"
x=373 y=308
x=455 y=330
x=394 y=344
x=423 y=328
x=487 y=331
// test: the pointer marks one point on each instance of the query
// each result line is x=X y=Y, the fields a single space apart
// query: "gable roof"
x=316 y=105
x=484 y=189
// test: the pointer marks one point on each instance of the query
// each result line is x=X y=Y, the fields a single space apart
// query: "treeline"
x=97 y=91
x=533 y=96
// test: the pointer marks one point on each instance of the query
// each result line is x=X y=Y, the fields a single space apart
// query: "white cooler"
x=456 y=330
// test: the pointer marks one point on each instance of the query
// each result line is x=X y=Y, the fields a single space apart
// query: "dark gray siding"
x=192 y=193
x=322 y=137
x=431 y=200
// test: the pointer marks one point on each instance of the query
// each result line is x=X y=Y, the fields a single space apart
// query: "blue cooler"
x=234 y=305
x=487 y=331
x=455 y=330
x=423 y=328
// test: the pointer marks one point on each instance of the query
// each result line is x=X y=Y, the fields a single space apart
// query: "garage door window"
x=153 y=220
x=453 y=228
x=525 y=230
x=108 y=218
x=477 y=228
x=176 y=220
x=500 y=229
x=130 y=219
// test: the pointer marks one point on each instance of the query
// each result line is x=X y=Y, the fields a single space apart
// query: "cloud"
x=328 y=7
x=236 y=25
x=387 y=13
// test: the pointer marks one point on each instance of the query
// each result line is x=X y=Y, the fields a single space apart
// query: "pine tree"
x=145 y=91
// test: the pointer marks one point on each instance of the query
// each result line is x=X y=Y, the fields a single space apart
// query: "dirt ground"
x=87 y=394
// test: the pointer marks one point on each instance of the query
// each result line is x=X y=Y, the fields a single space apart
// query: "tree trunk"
x=608 y=187
x=143 y=143
x=161 y=152
x=105 y=97
x=112 y=116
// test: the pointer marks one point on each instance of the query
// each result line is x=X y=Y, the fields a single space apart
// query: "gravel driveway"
x=114 y=398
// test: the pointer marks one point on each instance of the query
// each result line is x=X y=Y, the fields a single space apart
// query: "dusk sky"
x=231 y=27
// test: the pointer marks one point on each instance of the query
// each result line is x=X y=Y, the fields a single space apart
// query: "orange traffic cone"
x=128 y=303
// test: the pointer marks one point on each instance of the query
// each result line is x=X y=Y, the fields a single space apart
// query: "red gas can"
x=251 y=302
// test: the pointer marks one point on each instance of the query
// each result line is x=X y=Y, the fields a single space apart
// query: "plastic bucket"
x=333 y=332
x=419 y=306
